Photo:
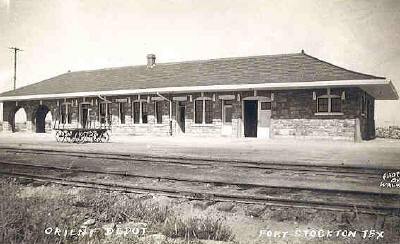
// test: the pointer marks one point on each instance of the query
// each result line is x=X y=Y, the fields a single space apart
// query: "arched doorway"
x=19 y=123
x=17 y=119
x=48 y=121
x=40 y=118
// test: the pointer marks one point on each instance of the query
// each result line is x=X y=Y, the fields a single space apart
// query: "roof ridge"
x=231 y=58
x=188 y=62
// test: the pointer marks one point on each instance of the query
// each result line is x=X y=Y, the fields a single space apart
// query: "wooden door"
x=250 y=118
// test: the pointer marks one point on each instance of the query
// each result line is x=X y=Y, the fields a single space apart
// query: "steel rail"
x=216 y=197
x=171 y=178
x=201 y=195
x=356 y=171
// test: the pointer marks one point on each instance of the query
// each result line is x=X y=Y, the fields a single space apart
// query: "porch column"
x=357 y=131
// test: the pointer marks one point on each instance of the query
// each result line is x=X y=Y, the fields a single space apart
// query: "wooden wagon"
x=82 y=135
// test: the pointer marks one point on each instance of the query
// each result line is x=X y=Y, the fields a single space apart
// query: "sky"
x=61 y=35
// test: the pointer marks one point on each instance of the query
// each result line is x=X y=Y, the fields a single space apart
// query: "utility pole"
x=15 y=64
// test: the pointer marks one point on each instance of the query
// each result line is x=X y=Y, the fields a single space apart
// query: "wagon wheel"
x=68 y=137
x=71 y=137
x=79 y=137
x=60 y=136
x=99 y=137
x=87 y=136
x=95 y=136
x=105 y=137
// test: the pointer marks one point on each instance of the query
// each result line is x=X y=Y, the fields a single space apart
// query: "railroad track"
x=347 y=171
x=61 y=175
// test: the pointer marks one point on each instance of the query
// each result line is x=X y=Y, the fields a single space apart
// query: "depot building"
x=270 y=96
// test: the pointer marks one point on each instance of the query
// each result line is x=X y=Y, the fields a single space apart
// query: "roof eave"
x=381 y=89
x=385 y=91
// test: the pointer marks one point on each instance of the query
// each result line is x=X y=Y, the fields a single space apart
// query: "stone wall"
x=391 y=132
x=30 y=107
x=150 y=128
x=131 y=128
x=337 y=129
x=213 y=129
x=293 y=114
x=299 y=104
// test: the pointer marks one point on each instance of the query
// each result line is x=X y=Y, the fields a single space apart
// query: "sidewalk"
x=376 y=153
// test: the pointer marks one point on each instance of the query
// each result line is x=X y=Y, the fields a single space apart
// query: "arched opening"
x=48 y=121
x=17 y=119
x=19 y=123
x=40 y=118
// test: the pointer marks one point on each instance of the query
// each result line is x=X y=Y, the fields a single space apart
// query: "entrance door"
x=84 y=115
x=227 y=110
x=250 y=118
x=40 y=119
x=181 y=116
x=264 y=120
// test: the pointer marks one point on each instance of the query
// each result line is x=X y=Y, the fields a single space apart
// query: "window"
x=136 y=112
x=66 y=113
x=140 y=112
x=208 y=111
x=158 y=111
x=69 y=114
x=336 y=105
x=227 y=111
x=198 y=111
x=121 y=107
x=330 y=102
x=144 y=112
x=323 y=104
x=265 y=105
x=84 y=116
x=104 y=113
x=203 y=111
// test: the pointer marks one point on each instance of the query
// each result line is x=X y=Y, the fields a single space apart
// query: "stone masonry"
x=293 y=114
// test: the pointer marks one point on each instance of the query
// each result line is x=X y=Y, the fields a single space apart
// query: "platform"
x=377 y=153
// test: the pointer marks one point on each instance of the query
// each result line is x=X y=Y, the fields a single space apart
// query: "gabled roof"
x=272 y=69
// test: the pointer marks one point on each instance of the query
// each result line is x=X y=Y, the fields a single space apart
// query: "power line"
x=16 y=49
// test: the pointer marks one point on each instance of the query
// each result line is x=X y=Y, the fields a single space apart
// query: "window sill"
x=160 y=125
x=202 y=125
x=328 y=113
x=141 y=124
x=61 y=125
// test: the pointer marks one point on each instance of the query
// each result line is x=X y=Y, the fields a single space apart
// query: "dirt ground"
x=378 y=153
x=67 y=207
x=245 y=223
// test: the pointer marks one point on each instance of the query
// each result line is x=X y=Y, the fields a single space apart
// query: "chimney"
x=151 y=60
